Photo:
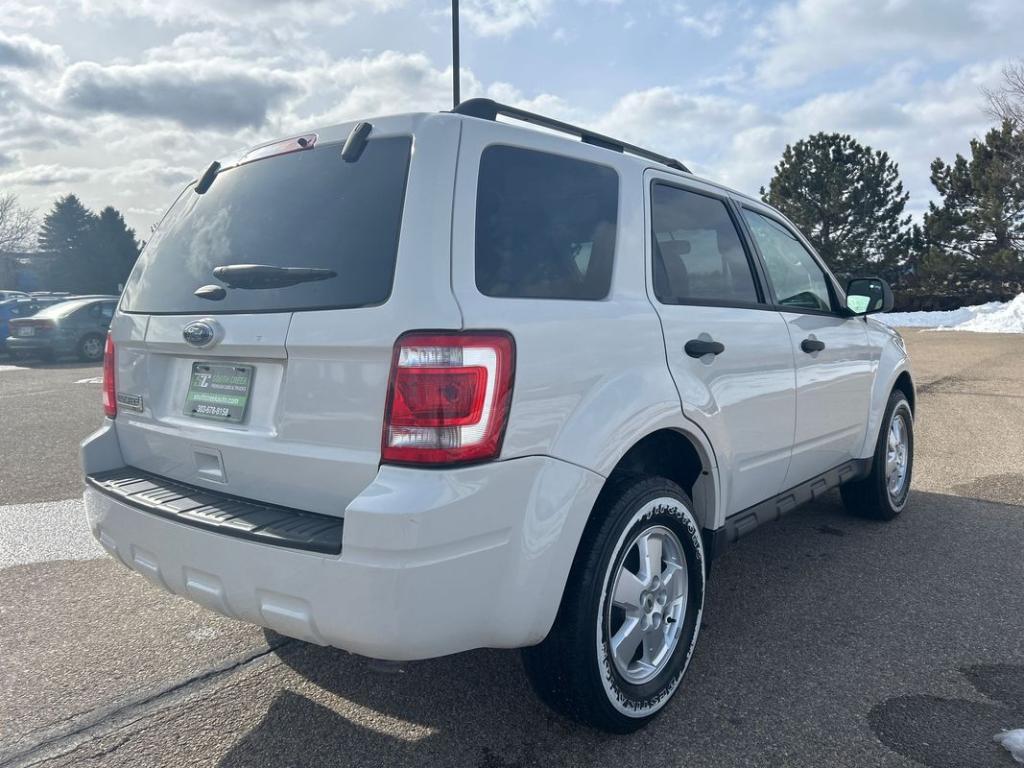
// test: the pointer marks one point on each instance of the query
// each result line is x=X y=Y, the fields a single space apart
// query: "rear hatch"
x=272 y=386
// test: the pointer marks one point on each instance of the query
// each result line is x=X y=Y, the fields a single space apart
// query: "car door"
x=834 y=361
x=728 y=350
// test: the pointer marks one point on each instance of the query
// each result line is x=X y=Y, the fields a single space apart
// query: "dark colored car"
x=26 y=306
x=72 y=327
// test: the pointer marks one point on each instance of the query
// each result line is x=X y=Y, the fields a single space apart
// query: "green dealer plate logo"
x=219 y=391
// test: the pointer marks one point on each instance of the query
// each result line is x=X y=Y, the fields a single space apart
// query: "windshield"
x=309 y=209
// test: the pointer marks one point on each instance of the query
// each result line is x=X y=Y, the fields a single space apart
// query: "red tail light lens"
x=448 y=398
x=109 y=379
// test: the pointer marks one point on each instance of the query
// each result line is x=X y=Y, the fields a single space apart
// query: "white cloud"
x=914 y=121
x=236 y=13
x=45 y=175
x=493 y=18
x=208 y=93
x=708 y=22
x=27 y=52
x=25 y=14
x=801 y=38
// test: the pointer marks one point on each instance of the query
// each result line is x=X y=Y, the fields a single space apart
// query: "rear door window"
x=304 y=209
x=545 y=225
x=698 y=255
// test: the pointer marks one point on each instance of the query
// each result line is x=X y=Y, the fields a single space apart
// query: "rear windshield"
x=61 y=309
x=305 y=209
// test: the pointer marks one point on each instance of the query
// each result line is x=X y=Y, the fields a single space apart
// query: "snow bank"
x=993 y=317
x=1013 y=740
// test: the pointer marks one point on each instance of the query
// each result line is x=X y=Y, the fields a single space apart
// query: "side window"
x=107 y=310
x=545 y=225
x=698 y=254
x=797 y=279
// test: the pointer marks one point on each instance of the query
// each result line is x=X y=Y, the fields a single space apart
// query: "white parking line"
x=44 y=532
x=5 y=368
x=91 y=380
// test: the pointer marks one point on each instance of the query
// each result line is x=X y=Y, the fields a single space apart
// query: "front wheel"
x=631 y=611
x=883 y=494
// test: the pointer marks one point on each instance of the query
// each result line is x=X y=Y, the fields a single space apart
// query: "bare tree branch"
x=17 y=224
x=1007 y=101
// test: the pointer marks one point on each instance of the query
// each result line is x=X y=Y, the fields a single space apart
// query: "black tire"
x=872 y=496
x=90 y=348
x=572 y=670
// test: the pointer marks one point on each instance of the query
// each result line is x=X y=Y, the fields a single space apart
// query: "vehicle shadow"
x=816 y=629
x=43 y=363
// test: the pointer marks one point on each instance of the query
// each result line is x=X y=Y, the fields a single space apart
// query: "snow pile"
x=993 y=317
x=1013 y=740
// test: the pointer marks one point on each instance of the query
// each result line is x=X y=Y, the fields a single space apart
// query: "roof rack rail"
x=488 y=109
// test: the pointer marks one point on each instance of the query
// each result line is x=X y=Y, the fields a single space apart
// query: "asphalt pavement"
x=828 y=640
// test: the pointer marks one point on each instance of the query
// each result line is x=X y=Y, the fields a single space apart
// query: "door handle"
x=812 y=345
x=700 y=347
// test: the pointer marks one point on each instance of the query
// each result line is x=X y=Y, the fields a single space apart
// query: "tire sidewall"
x=641 y=702
x=898 y=405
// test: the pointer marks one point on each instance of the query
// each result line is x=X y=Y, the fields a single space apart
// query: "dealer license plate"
x=219 y=391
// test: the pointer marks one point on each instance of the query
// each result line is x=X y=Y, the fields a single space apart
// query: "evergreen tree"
x=115 y=248
x=975 y=238
x=848 y=201
x=93 y=254
x=66 y=233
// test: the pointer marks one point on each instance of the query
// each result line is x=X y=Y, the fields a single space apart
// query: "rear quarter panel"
x=591 y=376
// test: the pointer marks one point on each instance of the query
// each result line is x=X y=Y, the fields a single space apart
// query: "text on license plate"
x=219 y=391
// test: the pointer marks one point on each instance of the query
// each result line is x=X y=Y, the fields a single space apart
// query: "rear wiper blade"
x=268 y=276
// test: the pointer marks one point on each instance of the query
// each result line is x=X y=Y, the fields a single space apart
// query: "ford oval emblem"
x=198 y=334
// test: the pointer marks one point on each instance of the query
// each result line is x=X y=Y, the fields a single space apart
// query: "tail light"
x=109 y=379
x=448 y=397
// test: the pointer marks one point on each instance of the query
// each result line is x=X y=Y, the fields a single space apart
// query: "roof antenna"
x=455 y=54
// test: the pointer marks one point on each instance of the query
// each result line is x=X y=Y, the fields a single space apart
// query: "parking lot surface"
x=828 y=640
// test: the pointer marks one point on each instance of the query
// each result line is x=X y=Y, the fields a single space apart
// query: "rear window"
x=61 y=309
x=698 y=254
x=545 y=225
x=305 y=209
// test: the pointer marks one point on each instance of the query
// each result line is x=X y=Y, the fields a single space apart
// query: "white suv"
x=435 y=382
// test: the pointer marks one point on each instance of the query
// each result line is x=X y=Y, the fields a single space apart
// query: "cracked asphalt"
x=828 y=640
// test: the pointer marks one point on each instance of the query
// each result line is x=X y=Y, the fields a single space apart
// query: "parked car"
x=21 y=307
x=5 y=295
x=68 y=327
x=508 y=390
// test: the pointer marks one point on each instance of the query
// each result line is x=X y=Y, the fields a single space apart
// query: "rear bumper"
x=38 y=344
x=27 y=343
x=432 y=562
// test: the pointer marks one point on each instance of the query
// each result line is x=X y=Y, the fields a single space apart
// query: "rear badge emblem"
x=131 y=402
x=198 y=334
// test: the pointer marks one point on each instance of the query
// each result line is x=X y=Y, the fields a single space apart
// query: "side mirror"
x=868 y=295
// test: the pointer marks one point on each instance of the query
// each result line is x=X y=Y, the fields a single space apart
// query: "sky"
x=124 y=101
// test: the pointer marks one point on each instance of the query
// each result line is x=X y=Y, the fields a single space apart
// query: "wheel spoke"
x=668 y=574
x=650 y=556
x=624 y=642
x=654 y=641
x=627 y=590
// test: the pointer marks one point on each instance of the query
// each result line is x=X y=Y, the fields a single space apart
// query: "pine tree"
x=848 y=200
x=975 y=238
x=66 y=233
x=115 y=248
